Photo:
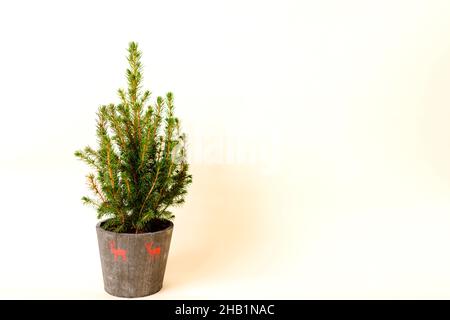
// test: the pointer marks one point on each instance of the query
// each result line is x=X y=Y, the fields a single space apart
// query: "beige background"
x=319 y=143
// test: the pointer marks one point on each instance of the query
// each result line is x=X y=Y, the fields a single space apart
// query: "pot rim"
x=98 y=226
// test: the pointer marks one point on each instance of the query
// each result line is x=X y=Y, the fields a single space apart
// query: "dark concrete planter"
x=133 y=265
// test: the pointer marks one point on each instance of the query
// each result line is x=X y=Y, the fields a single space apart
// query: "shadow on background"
x=218 y=229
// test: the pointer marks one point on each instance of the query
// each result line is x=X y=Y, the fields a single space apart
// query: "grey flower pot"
x=133 y=265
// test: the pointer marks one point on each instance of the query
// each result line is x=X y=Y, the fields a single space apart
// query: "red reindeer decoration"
x=152 y=251
x=117 y=252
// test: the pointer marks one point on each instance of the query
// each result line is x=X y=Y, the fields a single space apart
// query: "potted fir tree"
x=140 y=171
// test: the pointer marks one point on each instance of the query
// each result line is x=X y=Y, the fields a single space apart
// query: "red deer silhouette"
x=117 y=252
x=154 y=251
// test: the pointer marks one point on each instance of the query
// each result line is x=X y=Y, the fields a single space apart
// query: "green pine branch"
x=140 y=164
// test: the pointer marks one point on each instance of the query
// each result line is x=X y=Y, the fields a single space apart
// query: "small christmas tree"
x=140 y=164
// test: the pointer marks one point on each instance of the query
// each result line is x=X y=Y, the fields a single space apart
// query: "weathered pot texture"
x=133 y=265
